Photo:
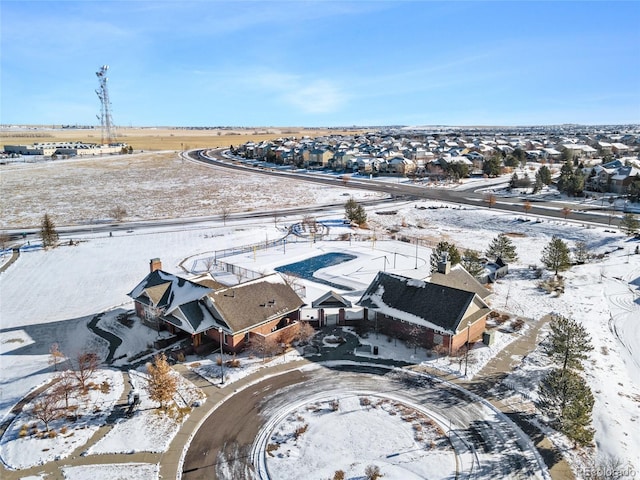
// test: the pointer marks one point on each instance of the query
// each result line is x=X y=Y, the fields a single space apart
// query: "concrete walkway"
x=170 y=461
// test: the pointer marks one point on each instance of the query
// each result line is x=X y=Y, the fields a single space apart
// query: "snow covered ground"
x=50 y=296
x=419 y=446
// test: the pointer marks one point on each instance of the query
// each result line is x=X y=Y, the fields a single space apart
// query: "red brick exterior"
x=428 y=338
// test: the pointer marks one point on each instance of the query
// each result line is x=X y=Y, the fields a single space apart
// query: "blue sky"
x=321 y=63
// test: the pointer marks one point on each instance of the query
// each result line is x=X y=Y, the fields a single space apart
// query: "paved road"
x=216 y=157
x=487 y=445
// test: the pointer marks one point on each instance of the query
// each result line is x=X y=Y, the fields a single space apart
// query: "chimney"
x=444 y=265
x=155 y=264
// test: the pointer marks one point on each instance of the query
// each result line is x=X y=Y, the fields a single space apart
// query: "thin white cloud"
x=311 y=95
x=318 y=96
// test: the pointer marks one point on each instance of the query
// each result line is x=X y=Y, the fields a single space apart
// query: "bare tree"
x=305 y=332
x=224 y=213
x=64 y=387
x=291 y=279
x=118 y=213
x=4 y=240
x=56 y=356
x=162 y=384
x=47 y=408
x=415 y=340
x=372 y=472
x=85 y=366
x=264 y=346
x=209 y=263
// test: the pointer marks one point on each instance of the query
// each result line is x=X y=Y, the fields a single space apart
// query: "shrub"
x=339 y=475
x=334 y=404
x=364 y=401
x=372 y=472
x=52 y=434
x=272 y=447
x=64 y=430
x=233 y=363
x=105 y=387
x=300 y=430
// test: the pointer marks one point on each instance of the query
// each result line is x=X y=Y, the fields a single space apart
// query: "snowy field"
x=49 y=296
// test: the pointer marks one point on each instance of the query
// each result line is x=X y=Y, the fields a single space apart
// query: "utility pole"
x=466 y=355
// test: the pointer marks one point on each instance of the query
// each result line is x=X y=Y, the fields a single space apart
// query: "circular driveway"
x=487 y=444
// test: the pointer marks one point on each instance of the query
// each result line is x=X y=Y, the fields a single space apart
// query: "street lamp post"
x=221 y=353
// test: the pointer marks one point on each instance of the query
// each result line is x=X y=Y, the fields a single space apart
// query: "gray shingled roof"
x=459 y=278
x=439 y=307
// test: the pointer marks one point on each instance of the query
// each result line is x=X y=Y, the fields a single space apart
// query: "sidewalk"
x=170 y=461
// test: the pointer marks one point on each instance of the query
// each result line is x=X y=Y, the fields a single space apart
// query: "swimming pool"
x=306 y=268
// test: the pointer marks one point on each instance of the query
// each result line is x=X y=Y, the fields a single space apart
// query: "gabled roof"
x=459 y=278
x=252 y=303
x=438 y=307
x=193 y=317
x=331 y=299
x=166 y=291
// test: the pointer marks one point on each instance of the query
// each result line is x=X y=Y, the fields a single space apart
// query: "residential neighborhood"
x=608 y=157
x=319 y=240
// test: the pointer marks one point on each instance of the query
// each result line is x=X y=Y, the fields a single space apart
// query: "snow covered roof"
x=441 y=308
x=166 y=291
x=625 y=172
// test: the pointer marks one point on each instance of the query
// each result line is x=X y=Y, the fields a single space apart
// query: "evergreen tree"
x=555 y=256
x=492 y=166
x=568 y=344
x=515 y=180
x=633 y=191
x=162 y=385
x=544 y=174
x=629 y=224
x=576 y=183
x=566 y=399
x=502 y=247
x=444 y=247
x=458 y=170
x=471 y=262
x=521 y=156
x=511 y=161
x=537 y=185
x=354 y=212
x=48 y=232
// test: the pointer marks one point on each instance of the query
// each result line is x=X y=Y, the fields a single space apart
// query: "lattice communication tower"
x=106 y=121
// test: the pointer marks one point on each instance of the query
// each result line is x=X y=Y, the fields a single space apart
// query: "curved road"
x=217 y=157
x=487 y=445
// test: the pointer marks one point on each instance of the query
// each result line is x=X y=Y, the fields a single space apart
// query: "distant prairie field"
x=161 y=138
x=150 y=185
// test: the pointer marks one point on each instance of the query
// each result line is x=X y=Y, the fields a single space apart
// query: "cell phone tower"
x=106 y=121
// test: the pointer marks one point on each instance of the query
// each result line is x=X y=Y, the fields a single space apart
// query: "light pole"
x=221 y=357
